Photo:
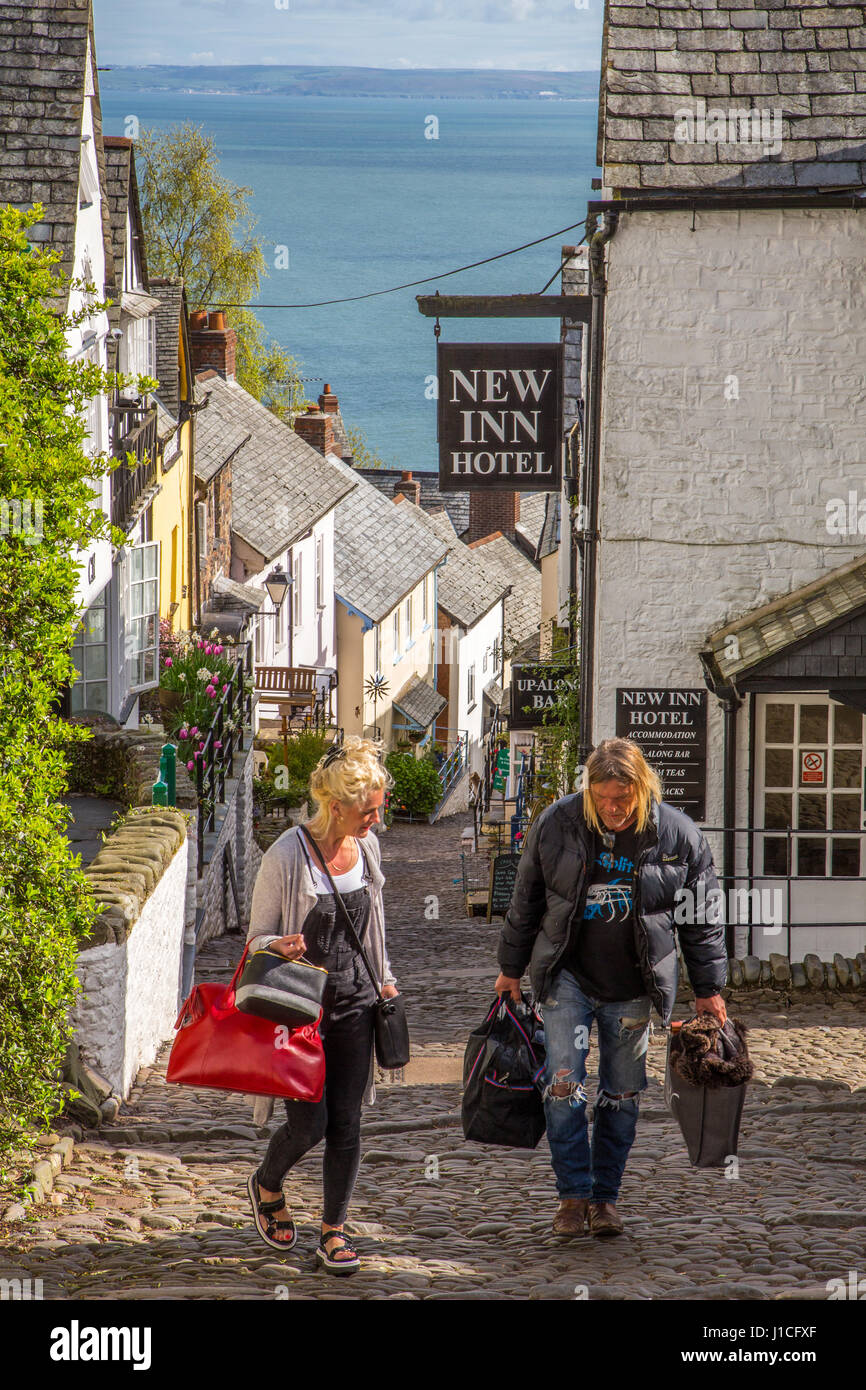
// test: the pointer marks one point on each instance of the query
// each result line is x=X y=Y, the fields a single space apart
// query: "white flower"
x=203 y=674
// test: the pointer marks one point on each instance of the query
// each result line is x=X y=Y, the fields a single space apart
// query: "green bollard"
x=159 y=792
x=168 y=771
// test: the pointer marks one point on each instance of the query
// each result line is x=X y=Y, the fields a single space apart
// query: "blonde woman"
x=593 y=916
x=294 y=911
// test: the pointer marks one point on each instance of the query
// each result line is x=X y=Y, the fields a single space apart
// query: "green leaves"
x=46 y=906
x=417 y=784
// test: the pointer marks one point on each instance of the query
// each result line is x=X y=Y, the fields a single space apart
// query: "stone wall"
x=130 y=968
x=234 y=827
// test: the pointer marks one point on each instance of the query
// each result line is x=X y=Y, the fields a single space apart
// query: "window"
x=90 y=658
x=201 y=532
x=497 y=656
x=260 y=642
x=425 y=610
x=141 y=594
x=484 y=659
x=320 y=571
x=216 y=510
x=407 y=622
x=396 y=635
x=470 y=686
x=377 y=650
x=297 y=591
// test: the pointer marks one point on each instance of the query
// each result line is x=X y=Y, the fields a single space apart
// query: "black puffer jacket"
x=550 y=892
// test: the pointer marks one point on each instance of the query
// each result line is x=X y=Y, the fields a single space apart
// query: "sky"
x=551 y=35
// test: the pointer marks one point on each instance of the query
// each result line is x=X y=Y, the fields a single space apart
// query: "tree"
x=198 y=225
x=46 y=906
x=363 y=456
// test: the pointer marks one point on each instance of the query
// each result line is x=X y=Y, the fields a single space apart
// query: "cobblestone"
x=156 y=1208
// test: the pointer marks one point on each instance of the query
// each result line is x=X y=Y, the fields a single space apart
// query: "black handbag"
x=390 y=1027
x=708 y=1069
x=503 y=1070
x=285 y=991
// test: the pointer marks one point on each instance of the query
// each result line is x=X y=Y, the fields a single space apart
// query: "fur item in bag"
x=706 y=1053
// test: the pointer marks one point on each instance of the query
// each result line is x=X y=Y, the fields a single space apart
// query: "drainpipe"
x=589 y=540
x=730 y=700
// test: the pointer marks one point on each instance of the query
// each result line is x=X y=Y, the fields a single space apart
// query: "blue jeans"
x=623 y=1038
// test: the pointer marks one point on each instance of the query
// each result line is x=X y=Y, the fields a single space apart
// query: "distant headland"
x=428 y=83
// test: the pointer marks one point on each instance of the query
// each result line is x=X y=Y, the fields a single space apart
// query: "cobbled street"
x=154 y=1205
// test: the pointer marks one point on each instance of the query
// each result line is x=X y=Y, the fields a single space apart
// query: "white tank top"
x=345 y=883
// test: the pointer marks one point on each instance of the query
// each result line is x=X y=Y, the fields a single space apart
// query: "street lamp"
x=277 y=584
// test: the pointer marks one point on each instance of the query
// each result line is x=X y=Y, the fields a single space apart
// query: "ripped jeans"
x=623 y=1038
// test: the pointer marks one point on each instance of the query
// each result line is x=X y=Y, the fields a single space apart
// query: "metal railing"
x=722 y=837
x=223 y=740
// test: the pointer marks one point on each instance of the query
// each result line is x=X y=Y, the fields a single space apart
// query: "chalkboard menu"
x=503 y=872
x=671 y=728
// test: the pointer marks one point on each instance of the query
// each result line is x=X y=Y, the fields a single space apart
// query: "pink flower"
x=208 y=649
x=197 y=753
x=168 y=661
x=225 y=687
x=193 y=731
x=218 y=743
x=199 y=645
x=201 y=746
x=218 y=650
x=184 y=733
x=211 y=691
x=190 y=767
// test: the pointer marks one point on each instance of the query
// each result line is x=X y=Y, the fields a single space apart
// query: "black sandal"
x=270 y=1226
x=332 y=1265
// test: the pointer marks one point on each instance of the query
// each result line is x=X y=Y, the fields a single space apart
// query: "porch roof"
x=419 y=701
x=762 y=634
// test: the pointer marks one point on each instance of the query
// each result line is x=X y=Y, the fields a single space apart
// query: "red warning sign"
x=813 y=767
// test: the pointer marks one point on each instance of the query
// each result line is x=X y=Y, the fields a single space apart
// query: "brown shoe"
x=570 y=1219
x=604 y=1219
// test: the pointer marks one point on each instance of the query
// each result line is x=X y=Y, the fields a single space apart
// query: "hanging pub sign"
x=500 y=416
x=534 y=689
x=671 y=728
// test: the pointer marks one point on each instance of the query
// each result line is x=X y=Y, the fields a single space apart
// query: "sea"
x=356 y=195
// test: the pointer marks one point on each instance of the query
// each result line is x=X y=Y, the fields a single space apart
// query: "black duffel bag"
x=503 y=1070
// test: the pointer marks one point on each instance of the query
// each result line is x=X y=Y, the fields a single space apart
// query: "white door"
x=810 y=789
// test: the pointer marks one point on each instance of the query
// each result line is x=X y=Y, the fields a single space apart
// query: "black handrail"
x=234 y=710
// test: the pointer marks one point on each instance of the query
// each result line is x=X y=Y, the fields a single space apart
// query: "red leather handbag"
x=218 y=1046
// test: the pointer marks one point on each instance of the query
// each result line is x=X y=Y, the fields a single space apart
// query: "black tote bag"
x=707 y=1103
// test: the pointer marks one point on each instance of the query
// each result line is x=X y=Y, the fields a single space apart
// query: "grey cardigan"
x=285 y=893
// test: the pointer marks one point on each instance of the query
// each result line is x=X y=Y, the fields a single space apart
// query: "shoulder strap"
x=342 y=906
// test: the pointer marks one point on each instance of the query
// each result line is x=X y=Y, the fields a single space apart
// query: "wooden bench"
x=293 y=686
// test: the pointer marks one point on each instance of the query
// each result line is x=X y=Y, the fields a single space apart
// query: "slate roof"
x=456 y=504
x=42 y=77
x=381 y=551
x=466 y=588
x=802 y=59
x=169 y=292
x=768 y=630
x=523 y=605
x=122 y=194
x=280 y=484
x=419 y=701
x=548 y=539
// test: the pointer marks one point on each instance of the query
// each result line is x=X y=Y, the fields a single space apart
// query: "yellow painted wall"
x=171 y=525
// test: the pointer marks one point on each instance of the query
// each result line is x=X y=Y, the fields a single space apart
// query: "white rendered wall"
x=733 y=411
x=129 y=993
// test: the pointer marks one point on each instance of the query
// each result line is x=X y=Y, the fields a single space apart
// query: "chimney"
x=213 y=345
x=328 y=402
x=317 y=429
x=408 y=487
x=491 y=510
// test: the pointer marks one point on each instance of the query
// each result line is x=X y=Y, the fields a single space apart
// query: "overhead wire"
x=411 y=284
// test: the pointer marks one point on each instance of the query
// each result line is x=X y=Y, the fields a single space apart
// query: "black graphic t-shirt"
x=603 y=956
